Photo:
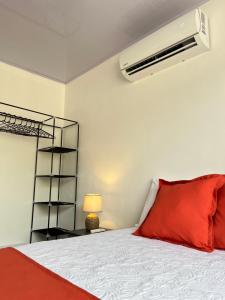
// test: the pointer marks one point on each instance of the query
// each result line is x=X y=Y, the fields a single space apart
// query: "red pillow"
x=183 y=211
x=219 y=220
x=219 y=217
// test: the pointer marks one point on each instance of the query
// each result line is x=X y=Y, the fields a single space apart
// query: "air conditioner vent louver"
x=162 y=55
x=203 y=23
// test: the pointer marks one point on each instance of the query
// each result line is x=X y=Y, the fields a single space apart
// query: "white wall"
x=170 y=125
x=17 y=153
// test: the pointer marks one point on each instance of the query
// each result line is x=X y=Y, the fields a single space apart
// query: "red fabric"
x=219 y=217
x=183 y=212
x=219 y=221
x=21 y=278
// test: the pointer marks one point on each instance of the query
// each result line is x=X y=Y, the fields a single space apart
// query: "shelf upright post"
x=76 y=175
x=59 y=179
x=34 y=187
x=50 y=187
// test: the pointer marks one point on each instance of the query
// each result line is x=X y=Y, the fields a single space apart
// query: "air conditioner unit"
x=182 y=39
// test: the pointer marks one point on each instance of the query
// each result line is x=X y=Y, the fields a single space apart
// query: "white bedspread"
x=118 y=265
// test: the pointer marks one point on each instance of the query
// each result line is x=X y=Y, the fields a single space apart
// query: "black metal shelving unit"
x=46 y=127
x=54 y=232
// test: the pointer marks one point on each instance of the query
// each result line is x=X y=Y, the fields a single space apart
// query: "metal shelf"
x=52 y=231
x=59 y=150
x=53 y=203
x=55 y=176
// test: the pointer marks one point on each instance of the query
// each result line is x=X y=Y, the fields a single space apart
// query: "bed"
x=118 y=265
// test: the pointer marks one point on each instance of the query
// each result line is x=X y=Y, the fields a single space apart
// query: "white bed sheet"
x=117 y=265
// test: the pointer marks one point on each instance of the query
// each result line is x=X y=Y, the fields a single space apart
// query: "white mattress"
x=118 y=265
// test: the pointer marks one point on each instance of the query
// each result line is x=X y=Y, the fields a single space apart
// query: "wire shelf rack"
x=56 y=131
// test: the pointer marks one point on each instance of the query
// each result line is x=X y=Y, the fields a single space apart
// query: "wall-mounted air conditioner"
x=182 y=39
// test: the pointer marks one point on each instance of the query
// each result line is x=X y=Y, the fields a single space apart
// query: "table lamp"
x=92 y=204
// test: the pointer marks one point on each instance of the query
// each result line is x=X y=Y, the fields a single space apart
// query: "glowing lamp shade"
x=92 y=203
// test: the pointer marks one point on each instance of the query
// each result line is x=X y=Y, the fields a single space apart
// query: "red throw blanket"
x=21 y=278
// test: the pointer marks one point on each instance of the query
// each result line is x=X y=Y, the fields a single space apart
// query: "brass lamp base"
x=91 y=222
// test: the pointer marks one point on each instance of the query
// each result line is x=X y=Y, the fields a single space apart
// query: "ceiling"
x=62 y=39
